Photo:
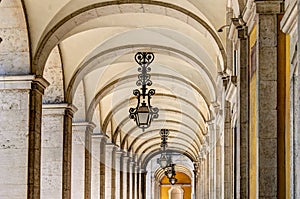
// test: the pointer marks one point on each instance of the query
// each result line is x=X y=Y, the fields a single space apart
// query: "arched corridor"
x=149 y=99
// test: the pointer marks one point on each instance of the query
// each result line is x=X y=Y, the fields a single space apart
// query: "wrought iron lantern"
x=143 y=113
x=164 y=159
x=170 y=173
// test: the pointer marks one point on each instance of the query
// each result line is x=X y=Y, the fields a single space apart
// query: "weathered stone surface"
x=267 y=63
x=14 y=119
x=267 y=96
x=52 y=147
x=14 y=63
x=53 y=73
x=267 y=30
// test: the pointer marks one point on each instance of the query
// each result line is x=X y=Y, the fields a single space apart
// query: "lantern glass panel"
x=143 y=115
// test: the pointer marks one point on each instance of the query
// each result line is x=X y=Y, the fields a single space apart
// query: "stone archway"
x=176 y=192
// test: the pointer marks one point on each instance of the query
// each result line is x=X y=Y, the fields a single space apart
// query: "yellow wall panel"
x=253 y=115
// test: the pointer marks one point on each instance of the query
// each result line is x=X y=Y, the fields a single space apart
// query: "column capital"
x=125 y=157
x=119 y=153
x=101 y=137
x=269 y=7
x=110 y=146
x=23 y=82
x=243 y=33
x=54 y=109
x=71 y=109
x=132 y=163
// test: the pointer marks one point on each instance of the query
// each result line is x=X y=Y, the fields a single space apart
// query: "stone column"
x=109 y=171
x=118 y=190
x=35 y=116
x=243 y=119
x=20 y=132
x=67 y=152
x=267 y=97
x=195 y=184
x=290 y=25
x=125 y=183
x=143 y=183
x=219 y=168
x=296 y=131
x=202 y=180
x=79 y=149
x=52 y=147
x=95 y=177
x=228 y=156
x=156 y=189
x=207 y=171
x=132 y=179
x=88 y=161
x=102 y=167
x=212 y=161
x=136 y=180
x=139 y=183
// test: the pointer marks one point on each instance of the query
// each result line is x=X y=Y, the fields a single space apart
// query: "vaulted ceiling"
x=96 y=41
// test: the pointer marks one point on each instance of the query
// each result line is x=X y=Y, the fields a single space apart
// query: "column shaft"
x=20 y=121
x=266 y=71
x=296 y=129
x=102 y=168
x=95 y=177
x=52 y=147
x=79 y=135
x=243 y=120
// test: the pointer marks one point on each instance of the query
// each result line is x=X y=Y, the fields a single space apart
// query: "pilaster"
x=266 y=77
x=137 y=182
x=102 y=167
x=118 y=190
x=143 y=182
x=130 y=178
x=290 y=25
x=125 y=175
x=88 y=160
x=243 y=112
x=67 y=151
x=95 y=175
x=296 y=125
x=20 y=121
x=110 y=170
x=52 y=147
x=81 y=148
